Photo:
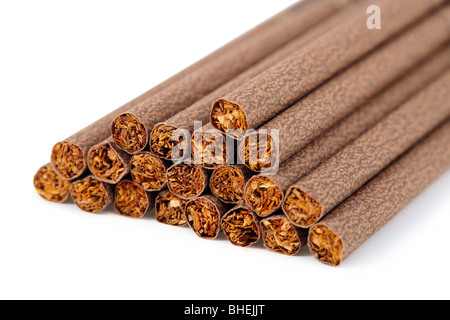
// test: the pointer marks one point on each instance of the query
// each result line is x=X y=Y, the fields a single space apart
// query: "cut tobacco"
x=227 y=184
x=68 y=160
x=203 y=217
x=226 y=116
x=129 y=133
x=162 y=142
x=263 y=195
x=91 y=195
x=281 y=236
x=148 y=171
x=106 y=164
x=241 y=227
x=50 y=186
x=209 y=148
x=131 y=200
x=259 y=152
x=170 y=209
x=326 y=245
x=186 y=181
x=301 y=208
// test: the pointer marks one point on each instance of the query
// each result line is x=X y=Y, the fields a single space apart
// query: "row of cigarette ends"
x=337 y=128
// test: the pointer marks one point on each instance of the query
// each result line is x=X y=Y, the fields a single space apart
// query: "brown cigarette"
x=107 y=162
x=69 y=156
x=50 y=185
x=210 y=148
x=273 y=91
x=187 y=180
x=203 y=215
x=131 y=129
x=260 y=152
x=162 y=138
x=131 y=200
x=332 y=182
x=281 y=236
x=264 y=193
x=170 y=209
x=358 y=218
x=148 y=171
x=228 y=182
x=313 y=115
x=91 y=194
x=241 y=226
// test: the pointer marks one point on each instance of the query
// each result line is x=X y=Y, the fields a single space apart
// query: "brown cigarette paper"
x=268 y=94
x=69 y=156
x=163 y=138
x=264 y=193
x=319 y=111
x=344 y=230
x=332 y=182
x=131 y=129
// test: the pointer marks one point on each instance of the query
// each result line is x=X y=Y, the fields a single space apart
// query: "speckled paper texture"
x=340 y=176
x=375 y=204
x=282 y=85
x=320 y=110
x=352 y=126
x=241 y=54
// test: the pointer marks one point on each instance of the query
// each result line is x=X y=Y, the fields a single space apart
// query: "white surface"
x=96 y=55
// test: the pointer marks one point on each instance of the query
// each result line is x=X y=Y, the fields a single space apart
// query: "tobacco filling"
x=263 y=195
x=280 y=236
x=259 y=152
x=162 y=143
x=170 y=210
x=68 y=159
x=208 y=151
x=240 y=228
x=50 y=186
x=105 y=163
x=302 y=209
x=326 y=245
x=148 y=171
x=228 y=116
x=227 y=183
x=186 y=180
x=131 y=200
x=129 y=133
x=204 y=218
x=89 y=195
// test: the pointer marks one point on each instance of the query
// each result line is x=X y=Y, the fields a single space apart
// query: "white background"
x=65 y=64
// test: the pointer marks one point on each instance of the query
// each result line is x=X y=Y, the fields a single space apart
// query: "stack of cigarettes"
x=311 y=130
